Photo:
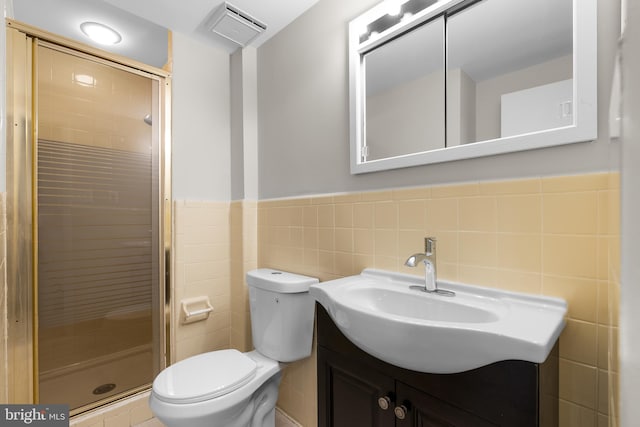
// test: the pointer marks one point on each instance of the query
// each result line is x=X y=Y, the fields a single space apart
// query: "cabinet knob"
x=400 y=412
x=384 y=402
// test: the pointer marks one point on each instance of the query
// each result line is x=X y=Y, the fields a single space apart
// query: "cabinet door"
x=349 y=394
x=424 y=410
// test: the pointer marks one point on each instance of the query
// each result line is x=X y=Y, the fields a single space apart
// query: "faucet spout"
x=415 y=259
x=429 y=270
x=428 y=258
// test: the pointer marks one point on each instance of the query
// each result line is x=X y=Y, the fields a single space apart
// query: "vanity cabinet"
x=356 y=389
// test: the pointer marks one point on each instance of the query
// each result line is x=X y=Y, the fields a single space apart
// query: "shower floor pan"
x=96 y=379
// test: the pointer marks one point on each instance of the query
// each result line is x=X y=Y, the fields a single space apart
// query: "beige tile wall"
x=554 y=236
x=129 y=412
x=608 y=349
x=202 y=268
x=84 y=102
x=244 y=257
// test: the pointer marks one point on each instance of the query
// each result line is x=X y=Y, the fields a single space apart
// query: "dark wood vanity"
x=356 y=389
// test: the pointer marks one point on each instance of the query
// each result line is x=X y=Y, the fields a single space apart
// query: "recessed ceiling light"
x=394 y=8
x=100 y=33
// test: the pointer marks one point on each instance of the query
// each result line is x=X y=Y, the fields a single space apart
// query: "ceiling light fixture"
x=100 y=33
x=406 y=16
x=395 y=8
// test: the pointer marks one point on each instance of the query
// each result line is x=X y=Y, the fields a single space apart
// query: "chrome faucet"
x=430 y=274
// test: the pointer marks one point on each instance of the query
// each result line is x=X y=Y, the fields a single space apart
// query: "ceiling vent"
x=233 y=24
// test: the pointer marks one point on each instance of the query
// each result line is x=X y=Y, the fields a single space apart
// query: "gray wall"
x=303 y=110
x=630 y=288
x=200 y=121
x=244 y=124
x=237 y=149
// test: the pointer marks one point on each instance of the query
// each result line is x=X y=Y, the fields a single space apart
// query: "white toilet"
x=228 y=388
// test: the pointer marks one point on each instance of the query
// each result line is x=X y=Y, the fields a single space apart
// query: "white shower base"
x=74 y=385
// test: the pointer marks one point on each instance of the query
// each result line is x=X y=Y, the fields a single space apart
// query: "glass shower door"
x=99 y=238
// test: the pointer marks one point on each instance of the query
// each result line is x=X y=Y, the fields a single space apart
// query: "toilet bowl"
x=200 y=392
x=228 y=388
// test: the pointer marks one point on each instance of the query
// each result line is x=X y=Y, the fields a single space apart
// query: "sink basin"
x=405 y=304
x=380 y=313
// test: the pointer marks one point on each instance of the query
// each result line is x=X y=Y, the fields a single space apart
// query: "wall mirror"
x=435 y=81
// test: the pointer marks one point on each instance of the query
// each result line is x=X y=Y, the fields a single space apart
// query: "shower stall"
x=88 y=221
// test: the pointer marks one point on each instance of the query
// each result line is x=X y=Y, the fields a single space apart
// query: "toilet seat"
x=204 y=377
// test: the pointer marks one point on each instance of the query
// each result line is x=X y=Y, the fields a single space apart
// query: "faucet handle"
x=429 y=245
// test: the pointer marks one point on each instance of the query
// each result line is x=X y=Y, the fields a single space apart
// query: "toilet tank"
x=282 y=313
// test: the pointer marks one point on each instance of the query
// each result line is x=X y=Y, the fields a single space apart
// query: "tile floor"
x=281 y=421
x=153 y=422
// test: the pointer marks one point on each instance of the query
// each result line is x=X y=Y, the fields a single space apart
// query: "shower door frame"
x=21 y=205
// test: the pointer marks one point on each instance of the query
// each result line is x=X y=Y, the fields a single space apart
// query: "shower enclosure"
x=95 y=167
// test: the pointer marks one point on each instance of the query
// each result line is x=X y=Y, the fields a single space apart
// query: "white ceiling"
x=185 y=16
x=544 y=26
x=143 y=22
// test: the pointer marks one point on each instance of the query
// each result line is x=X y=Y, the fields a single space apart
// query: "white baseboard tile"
x=284 y=420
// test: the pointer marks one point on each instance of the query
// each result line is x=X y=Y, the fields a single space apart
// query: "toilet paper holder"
x=196 y=309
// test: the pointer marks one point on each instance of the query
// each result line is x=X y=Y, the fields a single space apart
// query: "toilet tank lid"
x=279 y=281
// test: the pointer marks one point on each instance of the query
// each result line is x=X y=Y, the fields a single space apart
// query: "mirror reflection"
x=427 y=85
x=510 y=69
x=405 y=94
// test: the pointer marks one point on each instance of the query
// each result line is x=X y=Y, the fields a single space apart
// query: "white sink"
x=381 y=314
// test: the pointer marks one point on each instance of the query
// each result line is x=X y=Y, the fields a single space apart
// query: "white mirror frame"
x=585 y=127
